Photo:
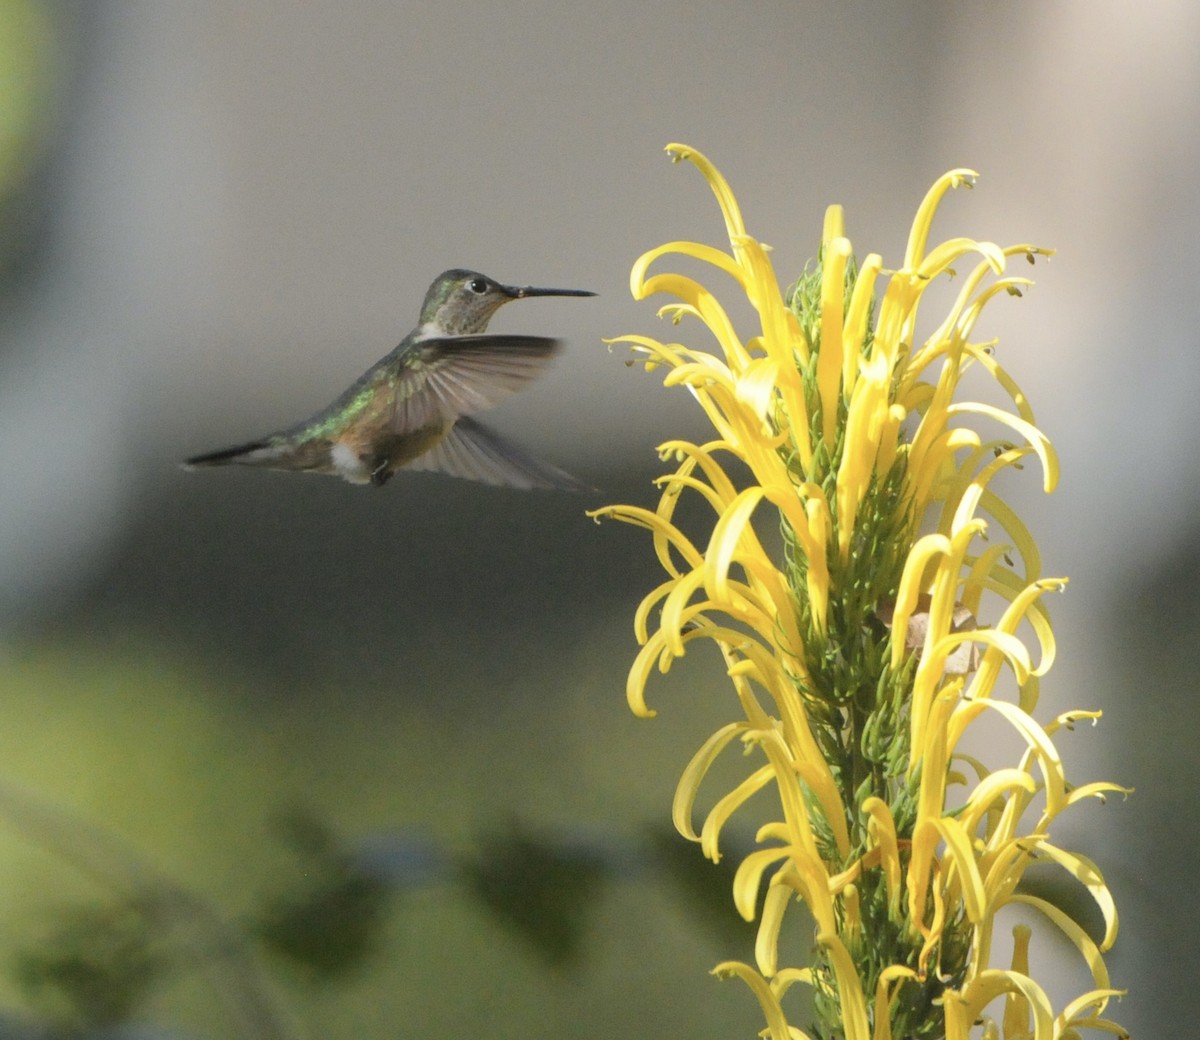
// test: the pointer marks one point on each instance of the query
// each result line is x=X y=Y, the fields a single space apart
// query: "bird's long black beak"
x=519 y=292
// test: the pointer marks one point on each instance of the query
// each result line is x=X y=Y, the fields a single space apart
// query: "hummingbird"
x=414 y=408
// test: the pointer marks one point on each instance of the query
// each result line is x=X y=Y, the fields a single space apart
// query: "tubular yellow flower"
x=858 y=660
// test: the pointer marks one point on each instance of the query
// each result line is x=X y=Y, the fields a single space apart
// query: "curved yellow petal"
x=766 y=942
x=748 y=879
x=720 y=187
x=980 y=991
x=727 y=805
x=887 y=988
x=1087 y=874
x=777 y=1025
x=919 y=234
x=881 y=828
x=962 y=857
x=849 y=987
x=696 y=250
x=1036 y=439
x=829 y=360
x=694 y=772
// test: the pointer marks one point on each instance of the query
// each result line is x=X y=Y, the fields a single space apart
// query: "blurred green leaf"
x=539 y=887
x=706 y=887
x=94 y=968
x=332 y=920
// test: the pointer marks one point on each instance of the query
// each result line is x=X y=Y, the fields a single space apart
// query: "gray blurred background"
x=216 y=215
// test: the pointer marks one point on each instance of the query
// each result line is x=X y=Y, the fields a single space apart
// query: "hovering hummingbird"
x=414 y=408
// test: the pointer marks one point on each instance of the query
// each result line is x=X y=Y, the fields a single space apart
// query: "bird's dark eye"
x=477 y=286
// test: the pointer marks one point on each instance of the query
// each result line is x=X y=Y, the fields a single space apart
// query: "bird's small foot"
x=381 y=474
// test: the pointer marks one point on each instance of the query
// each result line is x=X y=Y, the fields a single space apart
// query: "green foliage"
x=330 y=922
x=95 y=966
x=704 y=886
x=98 y=964
x=539 y=889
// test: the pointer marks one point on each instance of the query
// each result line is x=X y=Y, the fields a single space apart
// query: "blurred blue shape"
x=403 y=858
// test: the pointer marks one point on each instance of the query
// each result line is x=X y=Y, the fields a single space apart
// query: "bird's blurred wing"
x=472 y=451
x=458 y=375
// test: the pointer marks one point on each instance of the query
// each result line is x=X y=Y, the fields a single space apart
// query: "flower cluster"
x=854 y=650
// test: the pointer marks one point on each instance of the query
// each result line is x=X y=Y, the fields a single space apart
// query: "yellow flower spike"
x=1018 y=610
x=675 y=610
x=1003 y=644
x=795 y=810
x=786 y=978
x=674 y=483
x=933 y=933
x=941 y=609
x=702 y=456
x=639 y=673
x=974 y=476
x=740 y=666
x=1010 y=286
x=854 y=443
x=1016 y=1007
x=666 y=535
x=893 y=329
x=756 y=389
x=659 y=353
x=1009 y=586
x=1005 y=861
x=641 y=617
x=1083 y=793
x=812 y=769
x=704 y=376
x=984 y=358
